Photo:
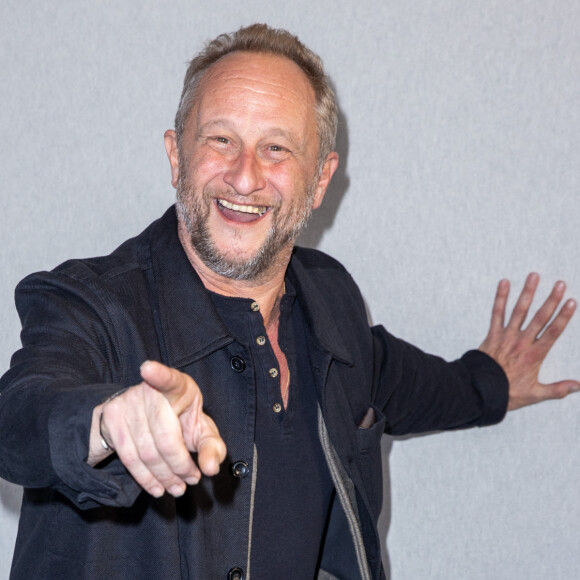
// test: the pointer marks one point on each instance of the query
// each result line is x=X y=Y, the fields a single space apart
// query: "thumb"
x=174 y=385
x=560 y=389
x=211 y=449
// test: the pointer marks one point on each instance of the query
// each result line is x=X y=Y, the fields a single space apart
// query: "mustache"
x=186 y=189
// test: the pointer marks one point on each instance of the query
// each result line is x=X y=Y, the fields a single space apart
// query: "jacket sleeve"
x=68 y=364
x=419 y=392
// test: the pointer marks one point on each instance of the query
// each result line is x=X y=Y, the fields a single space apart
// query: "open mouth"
x=241 y=213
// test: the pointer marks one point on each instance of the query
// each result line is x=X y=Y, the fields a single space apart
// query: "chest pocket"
x=369 y=458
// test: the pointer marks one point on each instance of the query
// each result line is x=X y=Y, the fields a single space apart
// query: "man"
x=243 y=332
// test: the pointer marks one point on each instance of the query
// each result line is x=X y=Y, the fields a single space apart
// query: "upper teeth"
x=261 y=210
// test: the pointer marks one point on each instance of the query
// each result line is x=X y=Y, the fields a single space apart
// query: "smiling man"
x=208 y=400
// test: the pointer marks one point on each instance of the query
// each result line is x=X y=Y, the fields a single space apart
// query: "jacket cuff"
x=490 y=381
x=69 y=425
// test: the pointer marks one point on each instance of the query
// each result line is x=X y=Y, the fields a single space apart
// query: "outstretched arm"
x=520 y=351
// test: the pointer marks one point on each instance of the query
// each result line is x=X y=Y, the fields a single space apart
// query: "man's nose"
x=245 y=174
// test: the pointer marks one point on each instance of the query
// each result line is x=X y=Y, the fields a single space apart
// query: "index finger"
x=210 y=447
x=174 y=385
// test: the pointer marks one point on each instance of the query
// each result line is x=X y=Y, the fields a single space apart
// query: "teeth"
x=257 y=209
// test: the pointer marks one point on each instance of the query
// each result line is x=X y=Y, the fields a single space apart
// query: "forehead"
x=257 y=82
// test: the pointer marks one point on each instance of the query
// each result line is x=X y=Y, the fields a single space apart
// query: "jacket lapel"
x=191 y=328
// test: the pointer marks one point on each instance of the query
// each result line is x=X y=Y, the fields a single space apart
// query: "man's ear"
x=328 y=168
x=170 y=139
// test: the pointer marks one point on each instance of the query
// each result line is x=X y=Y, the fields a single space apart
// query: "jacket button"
x=238 y=364
x=236 y=574
x=239 y=469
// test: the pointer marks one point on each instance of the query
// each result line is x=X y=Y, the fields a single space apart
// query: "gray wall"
x=460 y=166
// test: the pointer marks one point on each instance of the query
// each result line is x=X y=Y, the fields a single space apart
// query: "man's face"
x=247 y=175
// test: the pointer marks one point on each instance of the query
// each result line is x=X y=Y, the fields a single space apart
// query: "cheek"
x=291 y=185
x=206 y=169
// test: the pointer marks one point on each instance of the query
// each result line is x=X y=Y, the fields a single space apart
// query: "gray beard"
x=283 y=233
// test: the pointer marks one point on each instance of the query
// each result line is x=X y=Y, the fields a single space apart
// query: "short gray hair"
x=260 y=38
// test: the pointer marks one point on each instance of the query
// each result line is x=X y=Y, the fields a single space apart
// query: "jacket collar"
x=190 y=325
x=318 y=308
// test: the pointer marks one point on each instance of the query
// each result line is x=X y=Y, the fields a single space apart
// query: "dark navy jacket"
x=87 y=327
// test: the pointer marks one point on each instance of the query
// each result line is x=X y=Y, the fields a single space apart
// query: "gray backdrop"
x=460 y=166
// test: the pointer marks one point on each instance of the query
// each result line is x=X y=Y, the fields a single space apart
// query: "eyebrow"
x=274 y=132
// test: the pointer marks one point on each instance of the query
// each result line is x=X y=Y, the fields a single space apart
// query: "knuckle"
x=148 y=454
x=165 y=442
x=221 y=449
x=528 y=358
x=147 y=481
x=129 y=459
x=169 y=479
x=181 y=466
x=129 y=397
x=113 y=409
x=559 y=391
x=552 y=333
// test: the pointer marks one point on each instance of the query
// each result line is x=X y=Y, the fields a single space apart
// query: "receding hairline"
x=205 y=74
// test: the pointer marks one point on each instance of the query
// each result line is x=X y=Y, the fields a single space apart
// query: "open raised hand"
x=520 y=351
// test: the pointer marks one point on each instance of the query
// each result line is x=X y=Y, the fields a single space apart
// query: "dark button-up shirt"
x=291 y=503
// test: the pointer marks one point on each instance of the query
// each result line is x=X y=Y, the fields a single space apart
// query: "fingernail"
x=574 y=388
x=192 y=480
x=176 y=490
x=157 y=491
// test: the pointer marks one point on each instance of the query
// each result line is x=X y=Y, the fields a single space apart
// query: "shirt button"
x=255 y=306
x=273 y=372
x=239 y=469
x=261 y=340
x=276 y=407
x=236 y=574
x=238 y=364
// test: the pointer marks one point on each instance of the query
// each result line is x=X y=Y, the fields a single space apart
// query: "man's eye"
x=224 y=140
x=276 y=153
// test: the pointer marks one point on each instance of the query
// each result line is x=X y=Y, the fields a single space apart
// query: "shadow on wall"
x=10 y=497
x=323 y=218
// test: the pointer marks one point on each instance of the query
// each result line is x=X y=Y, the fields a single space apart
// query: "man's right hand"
x=154 y=426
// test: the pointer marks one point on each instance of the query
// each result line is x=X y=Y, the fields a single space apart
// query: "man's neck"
x=267 y=291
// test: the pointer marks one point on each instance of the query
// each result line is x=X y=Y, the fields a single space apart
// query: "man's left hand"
x=520 y=351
